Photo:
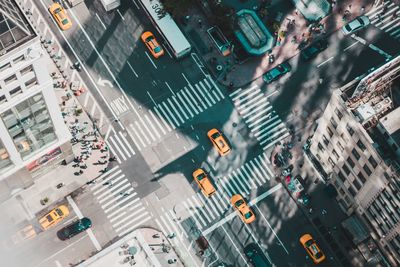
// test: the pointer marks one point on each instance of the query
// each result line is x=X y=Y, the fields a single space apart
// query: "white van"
x=110 y=4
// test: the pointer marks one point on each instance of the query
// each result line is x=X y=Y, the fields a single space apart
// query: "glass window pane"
x=4 y=157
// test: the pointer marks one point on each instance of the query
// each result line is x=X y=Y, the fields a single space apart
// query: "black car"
x=255 y=256
x=74 y=228
x=277 y=72
x=314 y=49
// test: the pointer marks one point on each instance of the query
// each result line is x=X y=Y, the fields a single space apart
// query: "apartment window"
x=6 y=66
x=361 y=145
x=31 y=82
x=346 y=169
x=338 y=114
x=18 y=59
x=333 y=122
x=351 y=162
x=26 y=70
x=329 y=131
x=341 y=176
x=318 y=157
x=10 y=79
x=357 y=184
x=2 y=99
x=340 y=146
x=331 y=162
x=335 y=153
x=321 y=147
x=362 y=178
x=372 y=162
x=326 y=141
x=352 y=191
x=349 y=129
x=367 y=170
x=15 y=91
x=355 y=154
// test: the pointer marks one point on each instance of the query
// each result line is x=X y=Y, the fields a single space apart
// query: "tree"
x=177 y=8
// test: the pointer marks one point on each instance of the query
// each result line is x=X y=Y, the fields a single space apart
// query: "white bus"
x=166 y=26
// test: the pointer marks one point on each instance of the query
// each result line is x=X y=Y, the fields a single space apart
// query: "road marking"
x=102 y=24
x=233 y=243
x=326 y=61
x=122 y=17
x=152 y=99
x=169 y=87
x=273 y=231
x=58 y=264
x=350 y=46
x=130 y=66
x=94 y=240
x=255 y=239
x=185 y=78
x=152 y=62
x=136 y=4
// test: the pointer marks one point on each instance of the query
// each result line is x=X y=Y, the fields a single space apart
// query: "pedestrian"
x=324 y=212
x=200 y=23
x=310 y=210
x=109 y=183
x=124 y=194
x=362 y=9
x=350 y=7
x=80 y=171
x=112 y=159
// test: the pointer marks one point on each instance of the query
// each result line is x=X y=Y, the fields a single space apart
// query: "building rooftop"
x=391 y=123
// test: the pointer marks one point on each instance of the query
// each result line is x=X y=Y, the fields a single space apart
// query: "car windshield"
x=65 y=21
x=157 y=49
x=201 y=177
x=309 y=243
x=148 y=39
x=215 y=136
x=314 y=249
x=59 y=212
x=239 y=202
x=49 y=218
x=347 y=27
x=248 y=214
x=319 y=255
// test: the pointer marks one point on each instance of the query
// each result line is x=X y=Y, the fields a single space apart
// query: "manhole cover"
x=219 y=67
x=134 y=184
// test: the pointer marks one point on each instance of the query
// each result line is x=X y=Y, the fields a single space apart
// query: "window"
x=321 y=147
x=329 y=131
x=357 y=184
x=367 y=170
x=335 y=153
x=318 y=157
x=362 y=178
x=338 y=113
x=341 y=176
x=6 y=66
x=10 y=79
x=361 y=145
x=352 y=191
x=349 y=129
x=334 y=123
x=372 y=162
x=31 y=82
x=326 y=141
x=15 y=91
x=26 y=70
x=3 y=99
x=346 y=169
x=331 y=162
x=18 y=59
x=340 y=146
x=355 y=154
x=351 y=162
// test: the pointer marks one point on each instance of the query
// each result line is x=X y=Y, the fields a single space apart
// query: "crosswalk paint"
x=197 y=209
x=116 y=203
x=192 y=215
x=123 y=146
x=152 y=126
x=147 y=129
x=183 y=93
x=257 y=171
x=168 y=110
x=176 y=111
x=157 y=109
x=172 y=214
x=115 y=147
x=106 y=195
x=137 y=217
x=127 y=143
x=256 y=109
x=137 y=135
x=185 y=105
x=247 y=181
x=214 y=85
x=168 y=227
x=210 y=208
x=142 y=132
x=245 y=188
x=200 y=101
x=125 y=210
x=236 y=184
x=130 y=205
x=134 y=226
x=199 y=89
x=158 y=122
x=179 y=105
x=197 y=202
x=207 y=92
x=194 y=101
x=385 y=20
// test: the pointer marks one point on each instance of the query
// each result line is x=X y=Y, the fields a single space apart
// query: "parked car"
x=255 y=256
x=244 y=210
x=54 y=217
x=75 y=228
x=151 y=43
x=277 y=72
x=219 y=142
x=314 y=49
x=60 y=16
x=203 y=181
x=312 y=248
x=355 y=25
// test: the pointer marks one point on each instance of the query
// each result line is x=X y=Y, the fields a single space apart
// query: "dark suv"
x=275 y=73
x=314 y=49
x=74 y=228
x=255 y=256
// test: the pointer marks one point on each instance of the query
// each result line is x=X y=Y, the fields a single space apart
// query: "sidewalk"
x=243 y=74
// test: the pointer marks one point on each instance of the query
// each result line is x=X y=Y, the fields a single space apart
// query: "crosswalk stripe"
x=115 y=145
x=210 y=202
x=156 y=109
x=208 y=91
x=128 y=217
x=131 y=135
x=143 y=133
x=159 y=107
x=147 y=129
x=201 y=207
x=266 y=129
x=276 y=141
x=137 y=135
x=249 y=104
x=271 y=129
x=238 y=187
x=253 y=174
x=117 y=197
x=169 y=111
x=257 y=171
x=195 y=102
x=264 y=121
x=128 y=155
x=200 y=101
x=228 y=188
x=118 y=203
x=135 y=225
x=263 y=105
x=244 y=168
x=174 y=227
x=185 y=105
x=216 y=95
x=205 y=93
x=257 y=103
x=109 y=175
x=167 y=226
x=218 y=204
x=196 y=211
x=250 y=90
x=112 y=191
x=261 y=117
x=246 y=190
x=124 y=208
x=256 y=116
x=249 y=182
x=241 y=100
x=152 y=126
x=105 y=188
x=125 y=211
x=186 y=101
x=216 y=87
x=127 y=144
x=137 y=217
x=271 y=126
x=179 y=105
x=199 y=89
x=192 y=215
x=275 y=135
x=231 y=95
x=259 y=161
x=157 y=122
x=161 y=226
x=179 y=225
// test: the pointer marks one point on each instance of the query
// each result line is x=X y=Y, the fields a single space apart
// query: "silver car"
x=355 y=25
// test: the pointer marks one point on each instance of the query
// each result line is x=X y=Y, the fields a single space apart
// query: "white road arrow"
x=102 y=82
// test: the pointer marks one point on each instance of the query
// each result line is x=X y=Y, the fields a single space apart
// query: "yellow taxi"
x=203 y=182
x=244 y=210
x=60 y=16
x=54 y=217
x=312 y=249
x=154 y=47
x=219 y=142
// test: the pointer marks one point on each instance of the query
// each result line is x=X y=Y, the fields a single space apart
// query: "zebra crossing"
x=174 y=111
x=386 y=17
x=119 y=201
x=205 y=211
x=119 y=145
x=263 y=122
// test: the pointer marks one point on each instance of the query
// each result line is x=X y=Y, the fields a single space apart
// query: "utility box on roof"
x=110 y=4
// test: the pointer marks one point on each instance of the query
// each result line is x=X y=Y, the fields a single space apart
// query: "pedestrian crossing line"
x=257 y=171
x=195 y=210
x=199 y=100
x=148 y=130
x=185 y=105
x=244 y=97
x=250 y=183
x=176 y=112
x=128 y=217
x=143 y=133
x=111 y=140
x=199 y=226
x=123 y=146
x=224 y=196
x=135 y=133
x=111 y=192
x=249 y=104
x=175 y=229
x=256 y=109
x=186 y=101
x=128 y=230
x=173 y=215
x=266 y=130
x=209 y=206
x=264 y=120
x=245 y=187
x=104 y=176
x=127 y=143
x=216 y=95
x=131 y=135
x=258 y=102
x=215 y=86
x=253 y=174
x=197 y=202
x=194 y=101
x=113 y=185
x=227 y=187
x=218 y=203
x=268 y=136
x=168 y=110
x=161 y=226
x=276 y=140
x=260 y=166
x=152 y=126
x=199 y=88
x=243 y=92
x=249 y=173
x=158 y=122
x=118 y=197
x=239 y=188
x=179 y=105
x=276 y=135
x=165 y=116
x=259 y=116
x=116 y=203
x=231 y=95
x=125 y=208
x=156 y=109
x=168 y=227
x=207 y=92
x=123 y=212
x=137 y=217
x=196 y=205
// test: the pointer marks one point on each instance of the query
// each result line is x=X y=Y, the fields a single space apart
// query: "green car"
x=255 y=256
x=277 y=72
x=74 y=228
